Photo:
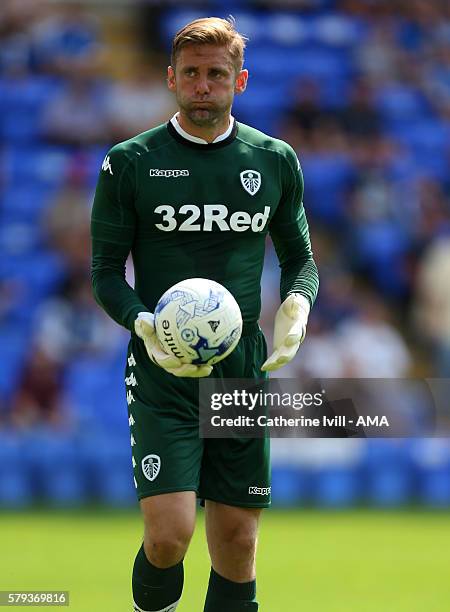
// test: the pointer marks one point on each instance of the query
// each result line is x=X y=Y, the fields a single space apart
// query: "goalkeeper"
x=196 y=197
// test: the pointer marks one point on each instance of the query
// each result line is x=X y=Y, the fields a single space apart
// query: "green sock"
x=226 y=596
x=156 y=589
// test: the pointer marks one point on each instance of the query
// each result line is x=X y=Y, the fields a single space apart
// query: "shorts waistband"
x=250 y=329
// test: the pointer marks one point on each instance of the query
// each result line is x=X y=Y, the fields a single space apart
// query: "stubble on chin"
x=208 y=117
x=204 y=119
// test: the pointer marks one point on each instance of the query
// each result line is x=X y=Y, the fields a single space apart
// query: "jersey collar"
x=184 y=137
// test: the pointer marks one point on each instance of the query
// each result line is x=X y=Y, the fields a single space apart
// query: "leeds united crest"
x=151 y=464
x=251 y=181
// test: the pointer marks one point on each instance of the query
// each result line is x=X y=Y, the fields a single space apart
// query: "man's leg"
x=169 y=522
x=232 y=537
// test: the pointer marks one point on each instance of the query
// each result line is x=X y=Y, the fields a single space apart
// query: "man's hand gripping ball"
x=145 y=329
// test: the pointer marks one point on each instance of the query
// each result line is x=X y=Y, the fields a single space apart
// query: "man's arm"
x=113 y=226
x=290 y=235
x=299 y=275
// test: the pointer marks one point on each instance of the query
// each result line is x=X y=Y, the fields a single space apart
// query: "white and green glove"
x=145 y=329
x=289 y=331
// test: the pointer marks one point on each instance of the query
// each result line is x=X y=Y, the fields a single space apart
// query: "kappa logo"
x=151 y=464
x=106 y=166
x=168 y=173
x=251 y=181
x=259 y=490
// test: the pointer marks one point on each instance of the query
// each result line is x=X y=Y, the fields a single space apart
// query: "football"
x=198 y=321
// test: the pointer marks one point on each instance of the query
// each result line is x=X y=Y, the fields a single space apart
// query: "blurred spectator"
x=359 y=117
x=432 y=306
x=67 y=227
x=306 y=107
x=66 y=39
x=139 y=102
x=38 y=400
x=16 y=17
x=70 y=325
x=11 y=292
x=379 y=236
x=432 y=209
x=371 y=346
x=321 y=355
x=77 y=116
x=378 y=55
x=363 y=345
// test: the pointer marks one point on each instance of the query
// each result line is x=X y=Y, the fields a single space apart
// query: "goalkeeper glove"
x=289 y=331
x=145 y=329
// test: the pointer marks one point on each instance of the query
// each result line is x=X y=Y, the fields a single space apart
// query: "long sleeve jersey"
x=186 y=209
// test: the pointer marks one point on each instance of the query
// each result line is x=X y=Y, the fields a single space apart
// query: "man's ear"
x=171 y=83
x=241 y=82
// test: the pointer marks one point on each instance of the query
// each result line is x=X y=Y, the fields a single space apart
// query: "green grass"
x=359 y=561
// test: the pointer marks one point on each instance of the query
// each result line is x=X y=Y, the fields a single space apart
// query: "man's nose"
x=202 y=85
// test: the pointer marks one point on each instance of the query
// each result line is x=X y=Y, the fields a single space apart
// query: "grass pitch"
x=310 y=561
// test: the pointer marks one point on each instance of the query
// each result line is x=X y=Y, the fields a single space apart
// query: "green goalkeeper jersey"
x=186 y=209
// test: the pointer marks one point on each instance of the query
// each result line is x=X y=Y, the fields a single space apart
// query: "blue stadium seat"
x=14 y=343
x=432 y=461
x=260 y=107
x=24 y=201
x=379 y=247
x=388 y=473
x=337 y=30
x=97 y=389
x=286 y=29
x=290 y=485
x=36 y=166
x=337 y=486
x=22 y=104
x=107 y=465
x=52 y=457
x=307 y=61
x=401 y=104
x=435 y=487
x=18 y=236
x=329 y=176
x=427 y=140
x=15 y=490
x=176 y=19
x=41 y=274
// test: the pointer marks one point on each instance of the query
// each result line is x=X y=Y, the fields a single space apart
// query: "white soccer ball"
x=198 y=321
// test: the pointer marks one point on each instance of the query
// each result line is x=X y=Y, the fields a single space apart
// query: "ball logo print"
x=251 y=181
x=151 y=465
x=198 y=321
x=214 y=325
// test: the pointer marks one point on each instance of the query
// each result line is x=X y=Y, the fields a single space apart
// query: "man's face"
x=204 y=81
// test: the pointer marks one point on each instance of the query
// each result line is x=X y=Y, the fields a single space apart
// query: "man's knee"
x=167 y=548
x=169 y=524
x=240 y=539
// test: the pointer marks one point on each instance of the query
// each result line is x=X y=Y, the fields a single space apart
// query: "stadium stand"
x=363 y=95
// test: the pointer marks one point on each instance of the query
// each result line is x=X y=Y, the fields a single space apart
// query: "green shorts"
x=167 y=453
